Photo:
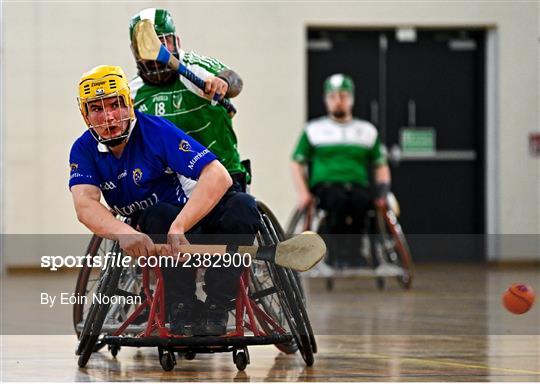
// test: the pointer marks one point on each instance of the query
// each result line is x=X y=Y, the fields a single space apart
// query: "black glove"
x=381 y=190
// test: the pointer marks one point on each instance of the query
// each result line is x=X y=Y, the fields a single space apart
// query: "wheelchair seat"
x=381 y=251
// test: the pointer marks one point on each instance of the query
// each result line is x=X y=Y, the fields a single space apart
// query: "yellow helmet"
x=102 y=82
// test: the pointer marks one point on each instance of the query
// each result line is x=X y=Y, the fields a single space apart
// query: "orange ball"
x=518 y=299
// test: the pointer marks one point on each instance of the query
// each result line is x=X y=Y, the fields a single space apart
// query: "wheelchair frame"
x=255 y=310
x=390 y=255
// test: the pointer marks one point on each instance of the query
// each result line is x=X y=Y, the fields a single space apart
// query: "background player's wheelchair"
x=384 y=247
x=270 y=305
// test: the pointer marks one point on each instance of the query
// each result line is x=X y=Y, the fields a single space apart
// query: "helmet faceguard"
x=103 y=85
x=153 y=72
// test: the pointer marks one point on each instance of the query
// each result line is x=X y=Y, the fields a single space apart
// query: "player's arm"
x=187 y=157
x=381 y=172
x=300 y=180
x=213 y=183
x=98 y=219
x=301 y=155
x=217 y=76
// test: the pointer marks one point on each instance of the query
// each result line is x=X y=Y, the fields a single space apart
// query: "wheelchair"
x=384 y=247
x=269 y=309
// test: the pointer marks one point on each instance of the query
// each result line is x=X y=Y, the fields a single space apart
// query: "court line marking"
x=510 y=370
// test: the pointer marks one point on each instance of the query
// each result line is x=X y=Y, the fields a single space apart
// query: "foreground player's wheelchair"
x=269 y=305
x=384 y=247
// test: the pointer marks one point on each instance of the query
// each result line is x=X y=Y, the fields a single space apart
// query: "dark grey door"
x=434 y=80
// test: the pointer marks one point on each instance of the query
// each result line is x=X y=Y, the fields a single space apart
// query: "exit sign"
x=417 y=140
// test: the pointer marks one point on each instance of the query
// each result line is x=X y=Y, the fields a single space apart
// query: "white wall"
x=49 y=45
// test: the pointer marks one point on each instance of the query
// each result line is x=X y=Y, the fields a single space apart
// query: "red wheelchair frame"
x=157 y=315
x=252 y=309
x=166 y=341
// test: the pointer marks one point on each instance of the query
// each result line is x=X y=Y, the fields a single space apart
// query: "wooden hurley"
x=301 y=252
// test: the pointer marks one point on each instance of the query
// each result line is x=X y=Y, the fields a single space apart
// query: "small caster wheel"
x=240 y=360
x=167 y=361
x=381 y=283
x=190 y=355
x=329 y=284
x=114 y=350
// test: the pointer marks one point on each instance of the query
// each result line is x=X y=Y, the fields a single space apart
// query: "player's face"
x=339 y=103
x=169 y=42
x=109 y=117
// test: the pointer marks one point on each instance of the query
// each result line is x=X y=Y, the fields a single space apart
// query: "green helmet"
x=339 y=82
x=163 y=22
x=151 y=71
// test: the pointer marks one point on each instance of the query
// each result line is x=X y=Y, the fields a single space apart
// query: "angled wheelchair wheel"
x=289 y=291
x=296 y=221
x=86 y=286
x=89 y=336
x=87 y=282
x=266 y=292
x=262 y=283
x=295 y=312
x=395 y=246
x=278 y=234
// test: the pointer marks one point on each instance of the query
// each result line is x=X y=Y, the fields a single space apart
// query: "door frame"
x=2 y=143
x=492 y=195
x=492 y=138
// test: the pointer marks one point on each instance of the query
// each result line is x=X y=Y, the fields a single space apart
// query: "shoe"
x=143 y=316
x=198 y=317
x=216 y=320
x=181 y=320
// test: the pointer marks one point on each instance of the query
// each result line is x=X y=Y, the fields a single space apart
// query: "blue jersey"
x=160 y=163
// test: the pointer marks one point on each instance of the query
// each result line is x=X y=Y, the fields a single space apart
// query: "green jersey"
x=339 y=153
x=186 y=106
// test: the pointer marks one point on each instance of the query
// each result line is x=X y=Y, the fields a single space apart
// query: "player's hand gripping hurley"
x=147 y=46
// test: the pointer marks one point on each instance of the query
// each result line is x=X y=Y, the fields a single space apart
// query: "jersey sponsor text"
x=137 y=206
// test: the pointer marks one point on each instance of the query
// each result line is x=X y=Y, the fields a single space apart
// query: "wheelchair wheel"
x=87 y=280
x=395 y=246
x=295 y=312
x=279 y=235
x=87 y=283
x=290 y=294
x=89 y=336
x=262 y=282
x=295 y=221
x=261 y=279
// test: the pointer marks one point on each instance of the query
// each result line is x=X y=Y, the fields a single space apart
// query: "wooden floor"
x=450 y=327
